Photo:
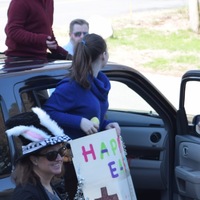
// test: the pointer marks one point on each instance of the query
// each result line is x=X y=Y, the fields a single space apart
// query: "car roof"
x=29 y=66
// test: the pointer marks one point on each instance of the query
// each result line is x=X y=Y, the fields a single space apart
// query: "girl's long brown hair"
x=86 y=52
x=23 y=172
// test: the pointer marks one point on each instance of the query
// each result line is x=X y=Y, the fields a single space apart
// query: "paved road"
x=65 y=11
x=168 y=85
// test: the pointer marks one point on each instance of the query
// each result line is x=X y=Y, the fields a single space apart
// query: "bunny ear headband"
x=36 y=130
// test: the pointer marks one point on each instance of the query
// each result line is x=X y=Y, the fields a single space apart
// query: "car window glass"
x=5 y=162
x=33 y=98
x=192 y=99
x=28 y=101
x=123 y=98
x=50 y=91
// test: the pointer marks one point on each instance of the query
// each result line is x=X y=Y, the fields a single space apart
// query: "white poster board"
x=102 y=167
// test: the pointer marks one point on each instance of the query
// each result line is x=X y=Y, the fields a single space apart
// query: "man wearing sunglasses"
x=78 y=28
x=44 y=146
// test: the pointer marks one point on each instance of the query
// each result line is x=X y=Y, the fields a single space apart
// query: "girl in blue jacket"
x=84 y=94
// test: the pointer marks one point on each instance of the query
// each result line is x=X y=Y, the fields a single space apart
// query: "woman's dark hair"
x=23 y=172
x=86 y=52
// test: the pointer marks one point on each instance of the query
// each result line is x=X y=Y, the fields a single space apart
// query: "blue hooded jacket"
x=70 y=102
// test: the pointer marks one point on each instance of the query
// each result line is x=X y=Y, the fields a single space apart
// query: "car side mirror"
x=196 y=123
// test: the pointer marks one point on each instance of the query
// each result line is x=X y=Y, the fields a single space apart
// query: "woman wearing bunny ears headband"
x=43 y=148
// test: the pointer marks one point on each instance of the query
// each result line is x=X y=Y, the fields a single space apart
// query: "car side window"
x=192 y=101
x=5 y=161
x=123 y=98
x=33 y=98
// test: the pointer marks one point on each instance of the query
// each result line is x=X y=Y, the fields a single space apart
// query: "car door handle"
x=185 y=151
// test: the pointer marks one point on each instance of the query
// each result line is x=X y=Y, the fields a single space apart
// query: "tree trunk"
x=194 y=9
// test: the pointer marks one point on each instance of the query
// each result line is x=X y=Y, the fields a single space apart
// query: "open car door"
x=187 y=158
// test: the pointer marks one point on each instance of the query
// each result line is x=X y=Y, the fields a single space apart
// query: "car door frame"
x=167 y=112
x=187 y=164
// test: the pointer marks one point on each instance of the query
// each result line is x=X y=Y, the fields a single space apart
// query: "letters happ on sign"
x=103 y=151
x=101 y=165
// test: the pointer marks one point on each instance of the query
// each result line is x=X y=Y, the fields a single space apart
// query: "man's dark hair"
x=77 y=21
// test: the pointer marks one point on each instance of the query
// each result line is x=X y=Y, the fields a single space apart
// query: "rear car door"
x=187 y=165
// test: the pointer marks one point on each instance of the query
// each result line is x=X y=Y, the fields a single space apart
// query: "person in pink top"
x=29 y=31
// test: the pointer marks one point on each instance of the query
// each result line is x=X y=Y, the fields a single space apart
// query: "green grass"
x=159 y=64
x=182 y=46
x=167 y=64
x=190 y=59
x=142 y=39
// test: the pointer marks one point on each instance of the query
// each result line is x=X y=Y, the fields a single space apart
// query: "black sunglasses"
x=52 y=155
x=78 y=34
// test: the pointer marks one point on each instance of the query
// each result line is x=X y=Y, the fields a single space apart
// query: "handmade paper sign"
x=101 y=167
